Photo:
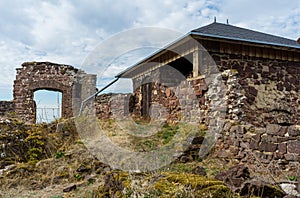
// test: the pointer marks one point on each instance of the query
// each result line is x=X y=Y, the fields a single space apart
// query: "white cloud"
x=66 y=31
x=270 y=16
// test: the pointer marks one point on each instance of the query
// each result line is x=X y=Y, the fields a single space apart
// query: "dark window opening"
x=184 y=65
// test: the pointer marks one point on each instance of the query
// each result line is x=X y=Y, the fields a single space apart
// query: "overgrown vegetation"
x=134 y=137
x=156 y=140
x=42 y=160
x=23 y=143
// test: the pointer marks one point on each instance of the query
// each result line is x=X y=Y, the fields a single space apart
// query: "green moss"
x=185 y=185
x=123 y=177
x=117 y=184
x=195 y=181
x=292 y=178
x=216 y=191
x=181 y=168
x=34 y=153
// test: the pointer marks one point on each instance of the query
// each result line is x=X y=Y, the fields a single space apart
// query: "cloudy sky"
x=66 y=31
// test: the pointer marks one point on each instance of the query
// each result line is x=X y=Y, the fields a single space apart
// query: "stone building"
x=241 y=82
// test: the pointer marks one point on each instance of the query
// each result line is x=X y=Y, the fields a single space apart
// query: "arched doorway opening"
x=48 y=105
x=33 y=76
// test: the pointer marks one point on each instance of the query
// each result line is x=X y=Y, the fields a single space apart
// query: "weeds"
x=78 y=176
x=292 y=178
x=59 y=154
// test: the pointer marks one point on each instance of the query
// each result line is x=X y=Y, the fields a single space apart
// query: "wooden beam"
x=251 y=51
x=196 y=62
x=265 y=53
x=284 y=55
x=278 y=55
x=296 y=56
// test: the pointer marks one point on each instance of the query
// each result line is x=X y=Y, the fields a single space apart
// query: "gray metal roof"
x=226 y=31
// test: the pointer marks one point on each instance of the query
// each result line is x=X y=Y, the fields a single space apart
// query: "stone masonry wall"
x=103 y=106
x=115 y=106
x=173 y=97
x=271 y=88
x=268 y=127
x=6 y=107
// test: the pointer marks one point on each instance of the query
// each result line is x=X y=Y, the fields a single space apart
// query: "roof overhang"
x=148 y=59
x=196 y=35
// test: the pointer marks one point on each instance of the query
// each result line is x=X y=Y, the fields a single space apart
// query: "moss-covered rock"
x=261 y=189
x=165 y=184
x=188 y=185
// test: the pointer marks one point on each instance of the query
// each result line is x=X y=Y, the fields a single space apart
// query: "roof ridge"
x=217 y=29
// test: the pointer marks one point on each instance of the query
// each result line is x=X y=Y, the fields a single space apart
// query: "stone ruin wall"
x=34 y=76
x=109 y=106
x=6 y=107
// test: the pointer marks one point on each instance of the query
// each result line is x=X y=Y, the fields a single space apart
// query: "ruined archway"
x=35 y=76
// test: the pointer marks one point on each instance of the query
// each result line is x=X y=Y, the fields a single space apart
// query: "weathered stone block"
x=272 y=128
x=227 y=126
x=293 y=147
x=282 y=131
x=282 y=148
x=254 y=141
x=252 y=91
x=294 y=130
x=259 y=130
x=285 y=139
x=237 y=129
x=267 y=157
x=291 y=157
x=278 y=155
x=222 y=154
x=233 y=150
x=244 y=145
x=267 y=146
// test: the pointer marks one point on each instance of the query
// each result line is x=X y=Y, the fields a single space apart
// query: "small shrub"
x=167 y=133
x=78 y=176
x=59 y=154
